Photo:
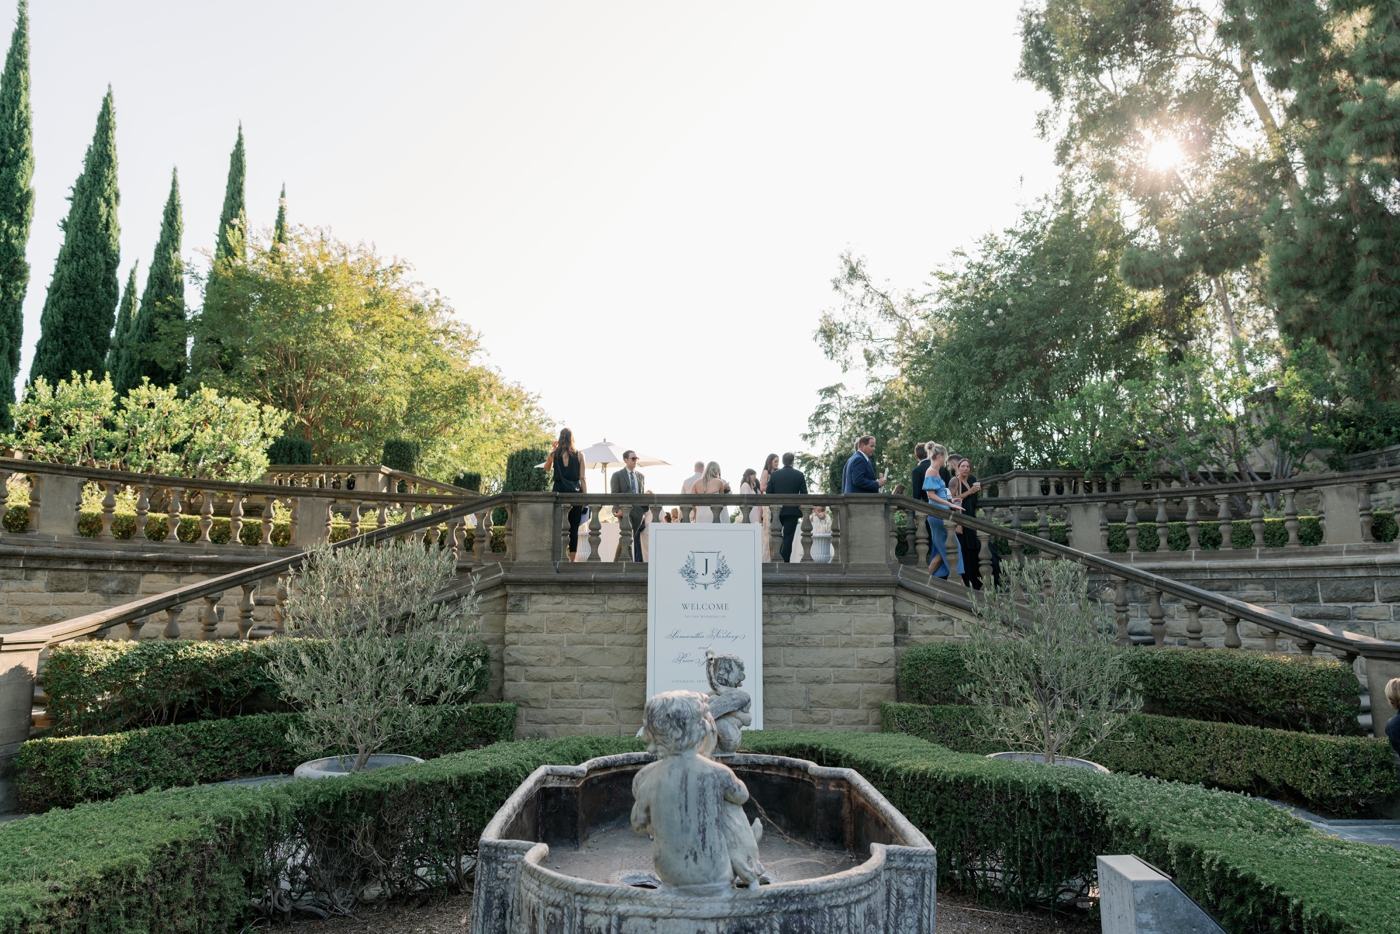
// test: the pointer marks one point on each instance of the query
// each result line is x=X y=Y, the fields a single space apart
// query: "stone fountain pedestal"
x=560 y=857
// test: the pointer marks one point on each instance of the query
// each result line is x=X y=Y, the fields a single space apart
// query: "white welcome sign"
x=704 y=590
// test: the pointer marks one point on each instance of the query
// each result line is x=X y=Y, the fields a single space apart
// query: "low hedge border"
x=1013 y=833
x=62 y=772
x=1338 y=776
x=1288 y=692
x=1008 y=832
x=111 y=685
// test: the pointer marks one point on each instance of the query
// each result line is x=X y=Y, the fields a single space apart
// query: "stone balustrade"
x=365 y=478
x=1345 y=505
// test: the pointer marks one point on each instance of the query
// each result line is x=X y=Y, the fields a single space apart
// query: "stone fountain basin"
x=844 y=859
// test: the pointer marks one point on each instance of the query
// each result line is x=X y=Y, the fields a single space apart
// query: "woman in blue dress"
x=937 y=491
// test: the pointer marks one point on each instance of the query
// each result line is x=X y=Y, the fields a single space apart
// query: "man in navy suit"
x=859 y=476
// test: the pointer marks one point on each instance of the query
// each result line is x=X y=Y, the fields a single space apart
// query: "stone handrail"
x=1306 y=635
x=1344 y=502
x=56 y=494
x=363 y=478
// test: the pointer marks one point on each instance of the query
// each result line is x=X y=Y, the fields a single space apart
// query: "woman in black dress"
x=966 y=490
x=570 y=476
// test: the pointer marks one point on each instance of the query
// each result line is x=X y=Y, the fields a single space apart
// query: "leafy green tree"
x=126 y=315
x=359 y=353
x=155 y=345
x=75 y=327
x=16 y=204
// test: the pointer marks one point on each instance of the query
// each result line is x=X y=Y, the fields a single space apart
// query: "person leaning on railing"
x=570 y=476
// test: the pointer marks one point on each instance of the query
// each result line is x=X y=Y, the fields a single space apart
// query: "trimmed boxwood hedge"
x=1339 y=776
x=1008 y=832
x=61 y=772
x=1016 y=833
x=1383 y=529
x=1289 y=692
x=110 y=685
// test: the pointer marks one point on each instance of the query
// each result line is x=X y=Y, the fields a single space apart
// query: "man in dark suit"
x=630 y=480
x=788 y=481
x=916 y=480
x=859 y=476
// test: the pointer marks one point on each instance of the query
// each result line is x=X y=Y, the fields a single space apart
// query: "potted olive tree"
x=1046 y=679
x=371 y=654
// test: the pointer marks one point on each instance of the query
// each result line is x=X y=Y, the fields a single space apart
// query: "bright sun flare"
x=1164 y=154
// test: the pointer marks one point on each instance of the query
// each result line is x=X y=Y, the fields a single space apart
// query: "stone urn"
x=1059 y=760
x=336 y=766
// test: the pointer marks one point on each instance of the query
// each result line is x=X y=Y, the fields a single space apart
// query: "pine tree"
x=279 y=229
x=126 y=314
x=76 y=325
x=233 y=221
x=16 y=205
x=156 y=343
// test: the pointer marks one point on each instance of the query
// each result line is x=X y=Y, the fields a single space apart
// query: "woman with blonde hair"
x=570 y=476
x=938 y=495
x=709 y=483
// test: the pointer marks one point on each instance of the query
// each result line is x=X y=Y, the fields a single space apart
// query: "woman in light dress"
x=770 y=464
x=709 y=483
x=938 y=494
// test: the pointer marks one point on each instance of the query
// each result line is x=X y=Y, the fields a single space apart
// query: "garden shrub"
x=196 y=858
x=1341 y=776
x=1020 y=833
x=400 y=454
x=108 y=686
x=289 y=450
x=471 y=481
x=62 y=772
x=1288 y=692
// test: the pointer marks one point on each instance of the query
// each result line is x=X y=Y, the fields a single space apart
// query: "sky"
x=639 y=206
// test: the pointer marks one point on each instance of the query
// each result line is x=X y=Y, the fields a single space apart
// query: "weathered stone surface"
x=1349 y=590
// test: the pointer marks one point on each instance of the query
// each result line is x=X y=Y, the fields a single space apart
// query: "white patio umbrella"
x=605 y=454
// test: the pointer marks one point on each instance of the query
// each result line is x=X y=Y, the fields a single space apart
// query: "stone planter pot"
x=1060 y=760
x=336 y=766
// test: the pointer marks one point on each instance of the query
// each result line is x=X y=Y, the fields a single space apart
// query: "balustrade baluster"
x=685 y=513
x=36 y=485
x=206 y=516
x=625 y=534
x=143 y=513
x=1363 y=506
x=1162 y=530
x=1120 y=611
x=134 y=626
x=595 y=534
x=354 y=516
x=1290 y=517
x=1270 y=639
x=1103 y=529
x=1232 y=631
x=1227 y=523
x=382 y=516
x=1042 y=522
x=245 y=611
x=1193 y=626
x=211 y=616
x=268 y=518
x=775 y=534
x=562 y=511
x=172 y=621
x=1132 y=525
x=1305 y=646
x=744 y=510
x=806 y=535
x=109 y=507
x=1256 y=518
x=5 y=476
x=1157 y=617
x=984 y=560
x=1193 y=525
x=173 y=527
x=235 y=520
x=481 y=538
x=280 y=609
x=456 y=531
x=837 y=556
x=509 y=535
x=922 y=545
x=719 y=514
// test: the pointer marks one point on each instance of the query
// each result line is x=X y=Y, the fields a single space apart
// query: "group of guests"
x=947 y=480
x=785 y=480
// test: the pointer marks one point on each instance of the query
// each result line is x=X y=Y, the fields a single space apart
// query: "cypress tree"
x=126 y=314
x=233 y=221
x=156 y=343
x=230 y=242
x=279 y=229
x=16 y=205
x=75 y=328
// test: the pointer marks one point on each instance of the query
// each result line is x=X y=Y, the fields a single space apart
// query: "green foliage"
x=229 y=241
x=1019 y=834
x=119 y=349
x=468 y=481
x=522 y=474
x=64 y=772
x=150 y=430
x=152 y=862
x=108 y=686
x=379 y=356
x=154 y=346
x=16 y=205
x=1291 y=692
x=1339 y=776
x=279 y=227
x=399 y=454
x=76 y=324
x=384 y=650
x=289 y=450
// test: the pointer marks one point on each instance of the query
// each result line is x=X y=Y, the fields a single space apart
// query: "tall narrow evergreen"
x=233 y=221
x=126 y=314
x=230 y=242
x=279 y=229
x=156 y=344
x=16 y=205
x=76 y=325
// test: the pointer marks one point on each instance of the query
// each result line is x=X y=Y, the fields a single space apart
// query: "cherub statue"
x=728 y=705
x=691 y=806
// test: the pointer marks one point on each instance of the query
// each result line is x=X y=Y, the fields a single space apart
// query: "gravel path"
x=451 y=914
